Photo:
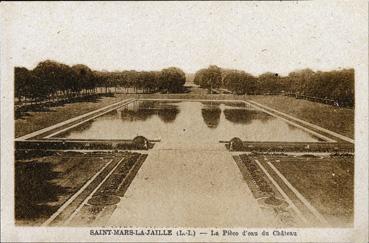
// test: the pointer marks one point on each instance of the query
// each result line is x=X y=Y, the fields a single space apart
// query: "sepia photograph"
x=140 y=119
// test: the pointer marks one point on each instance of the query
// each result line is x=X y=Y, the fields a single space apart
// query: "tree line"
x=50 y=80
x=336 y=85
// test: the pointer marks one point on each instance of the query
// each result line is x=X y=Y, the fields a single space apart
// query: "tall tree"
x=172 y=79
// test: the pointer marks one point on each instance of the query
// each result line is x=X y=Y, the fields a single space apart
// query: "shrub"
x=235 y=144
x=141 y=142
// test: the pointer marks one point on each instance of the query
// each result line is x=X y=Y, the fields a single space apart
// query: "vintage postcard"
x=184 y=121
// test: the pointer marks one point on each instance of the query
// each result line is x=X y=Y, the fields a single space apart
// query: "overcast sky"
x=255 y=37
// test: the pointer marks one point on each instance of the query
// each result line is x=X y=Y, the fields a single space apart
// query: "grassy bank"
x=44 y=183
x=327 y=182
x=339 y=120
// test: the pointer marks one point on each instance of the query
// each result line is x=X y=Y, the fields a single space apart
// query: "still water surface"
x=189 y=122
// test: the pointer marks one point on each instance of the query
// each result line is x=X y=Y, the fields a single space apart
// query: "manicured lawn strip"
x=240 y=161
x=68 y=211
x=339 y=120
x=249 y=168
x=326 y=182
x=257 y=175
x=111 y=185
x=116 y=184
x=43 y=145
x=279 y=147
x=299 y=204
x=36 y=120
x=43 y=184
x=132 y=173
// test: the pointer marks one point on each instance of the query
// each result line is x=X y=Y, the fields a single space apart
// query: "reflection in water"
x=211 y=116
x=168 y=113
x=245 y=116
x=181 y=122
x=143 y=110
x=136 y=111
x=135 y=115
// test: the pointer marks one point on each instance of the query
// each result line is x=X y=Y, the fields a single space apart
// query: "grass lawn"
x=36 y=120
x=326 y=182
x=44 y=183
x=339 y=120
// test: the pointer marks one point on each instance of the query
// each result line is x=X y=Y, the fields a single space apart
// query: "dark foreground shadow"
x=35 y=191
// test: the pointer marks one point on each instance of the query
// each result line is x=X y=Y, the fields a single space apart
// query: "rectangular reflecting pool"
x=188 y=121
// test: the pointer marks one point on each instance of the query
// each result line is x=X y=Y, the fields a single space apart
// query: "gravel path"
x=184 y=187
